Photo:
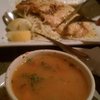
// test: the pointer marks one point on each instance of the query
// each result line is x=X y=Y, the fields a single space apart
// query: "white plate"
x=8 y=5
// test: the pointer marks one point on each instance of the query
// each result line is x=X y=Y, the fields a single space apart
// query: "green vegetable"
x=33 y=79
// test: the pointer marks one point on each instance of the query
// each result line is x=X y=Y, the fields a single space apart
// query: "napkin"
x=94 y=53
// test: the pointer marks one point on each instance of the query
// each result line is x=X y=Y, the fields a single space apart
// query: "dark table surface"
x=7 y=54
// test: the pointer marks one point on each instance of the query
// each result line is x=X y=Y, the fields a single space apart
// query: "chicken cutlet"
x=52 y=13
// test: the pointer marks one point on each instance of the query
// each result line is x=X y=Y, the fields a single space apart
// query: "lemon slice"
x=19 y=24
x=19 y=36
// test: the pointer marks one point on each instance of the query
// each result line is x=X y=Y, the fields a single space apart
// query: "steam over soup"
x=49 y=76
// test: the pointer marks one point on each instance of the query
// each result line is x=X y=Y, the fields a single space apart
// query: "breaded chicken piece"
x=52 y=13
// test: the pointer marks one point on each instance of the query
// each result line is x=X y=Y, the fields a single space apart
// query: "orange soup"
x=49 y=76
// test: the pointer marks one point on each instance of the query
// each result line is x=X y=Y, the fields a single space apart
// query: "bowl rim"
x=29 y=53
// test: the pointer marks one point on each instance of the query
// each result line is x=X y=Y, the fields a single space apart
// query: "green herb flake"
x=29 y=60
x=33 y=79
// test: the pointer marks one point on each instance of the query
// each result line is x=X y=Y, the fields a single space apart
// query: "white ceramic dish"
x=22 y=58
x=9 y=5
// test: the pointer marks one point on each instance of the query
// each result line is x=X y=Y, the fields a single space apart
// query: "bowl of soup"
x=49 y=75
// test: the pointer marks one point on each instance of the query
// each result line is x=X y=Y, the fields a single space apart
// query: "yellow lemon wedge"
x=19 y=24
x=19 y=36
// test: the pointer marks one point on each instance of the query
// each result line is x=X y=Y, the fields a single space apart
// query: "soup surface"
x=49 y=76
